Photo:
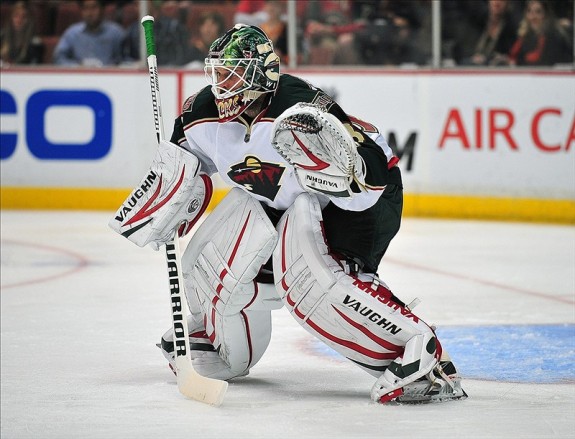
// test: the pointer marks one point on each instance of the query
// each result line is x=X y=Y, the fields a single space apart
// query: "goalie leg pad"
x=360 y=322
x=206 y=359
x=245 y=338
x=221 y=261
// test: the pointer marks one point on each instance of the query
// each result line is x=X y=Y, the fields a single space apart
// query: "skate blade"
x=430 y=399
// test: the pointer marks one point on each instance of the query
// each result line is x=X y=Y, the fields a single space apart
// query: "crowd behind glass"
x=388 y=33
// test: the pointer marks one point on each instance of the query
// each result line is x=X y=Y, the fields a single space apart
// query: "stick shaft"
x=148 y=25
x=190 y=383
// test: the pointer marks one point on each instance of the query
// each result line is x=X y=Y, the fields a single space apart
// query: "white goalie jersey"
x=243 y=154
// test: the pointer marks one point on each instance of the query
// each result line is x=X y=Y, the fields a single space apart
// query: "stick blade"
x=195 y=386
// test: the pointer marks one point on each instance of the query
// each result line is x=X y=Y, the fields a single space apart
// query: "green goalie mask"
x=240 y=67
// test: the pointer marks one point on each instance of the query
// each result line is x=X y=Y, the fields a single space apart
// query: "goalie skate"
x=436 y=386
x=199 y=343
x=205 y=358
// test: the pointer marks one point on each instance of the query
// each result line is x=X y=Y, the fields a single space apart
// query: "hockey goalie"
x=316 y=199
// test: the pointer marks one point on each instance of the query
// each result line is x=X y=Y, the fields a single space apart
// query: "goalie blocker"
x=172 y=196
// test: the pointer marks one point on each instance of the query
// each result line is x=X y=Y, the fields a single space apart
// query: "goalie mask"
x=241 y=66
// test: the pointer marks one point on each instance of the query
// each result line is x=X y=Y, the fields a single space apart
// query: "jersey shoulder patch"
x=292 y=90
x=187 y=106
x=200 y=105
x=323 y=100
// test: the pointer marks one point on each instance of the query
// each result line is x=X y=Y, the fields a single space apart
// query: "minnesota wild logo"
x=258 y=177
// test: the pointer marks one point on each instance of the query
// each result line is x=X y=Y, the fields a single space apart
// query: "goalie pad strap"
x=361 y=323
x=221 y=261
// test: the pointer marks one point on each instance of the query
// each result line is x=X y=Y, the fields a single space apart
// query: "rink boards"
x=490 y=145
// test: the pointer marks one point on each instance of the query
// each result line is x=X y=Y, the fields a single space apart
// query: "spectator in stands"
x=275 y=26
x=541 y=41
x=172 y=36
x=394 y=43
x=170 y=32
x=498 y=36
x=251 y=12
x=94 y=42
x=211 y=26
x=462 y=22
x=127 y=12
x=271 y=17
x=388 y=35
x=564 y=11
x=329 y=25
x=18 y=42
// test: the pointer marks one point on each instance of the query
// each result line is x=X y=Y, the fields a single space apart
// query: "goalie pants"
x=363 y=236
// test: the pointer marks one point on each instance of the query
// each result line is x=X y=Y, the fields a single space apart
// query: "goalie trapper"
x=321 y=150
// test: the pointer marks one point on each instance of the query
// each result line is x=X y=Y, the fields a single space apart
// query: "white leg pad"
x=361 y=323
x=246 y=338
x=221 y=261
x=206 y=360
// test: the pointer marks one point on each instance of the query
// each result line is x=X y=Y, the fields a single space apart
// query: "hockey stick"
x=190 y=383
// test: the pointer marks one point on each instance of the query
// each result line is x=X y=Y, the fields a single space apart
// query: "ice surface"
x=82 y=309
